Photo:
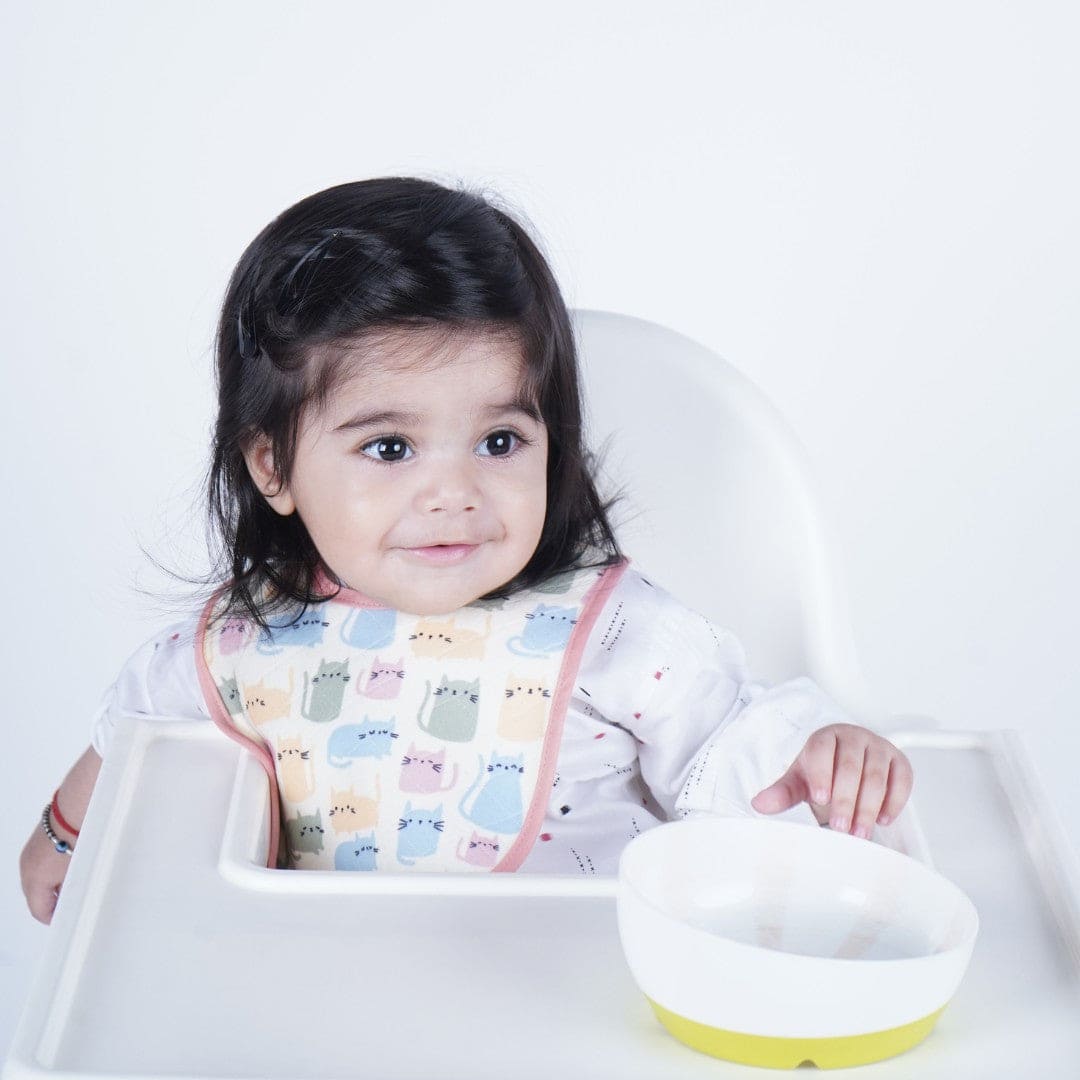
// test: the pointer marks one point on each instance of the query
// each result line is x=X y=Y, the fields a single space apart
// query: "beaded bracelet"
x=61 y=845
x=59 y=818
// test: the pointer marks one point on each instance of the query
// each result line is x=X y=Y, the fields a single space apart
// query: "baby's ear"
x=259 y=457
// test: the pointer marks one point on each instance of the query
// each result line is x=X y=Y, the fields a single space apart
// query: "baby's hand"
x=42 y=869
x=851 y=777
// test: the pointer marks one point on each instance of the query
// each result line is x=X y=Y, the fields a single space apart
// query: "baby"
x=425 y=629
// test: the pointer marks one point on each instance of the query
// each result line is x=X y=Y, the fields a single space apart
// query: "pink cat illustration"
x=383 y=681
x=421 y=771
x=235 y=635
x=482 y=850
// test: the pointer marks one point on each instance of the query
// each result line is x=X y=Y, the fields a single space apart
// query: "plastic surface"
x=173 y=953
x=788 y=931
x=657 y=399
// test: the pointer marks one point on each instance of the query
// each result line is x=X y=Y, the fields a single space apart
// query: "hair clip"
x=245 y=335
x=300 y=277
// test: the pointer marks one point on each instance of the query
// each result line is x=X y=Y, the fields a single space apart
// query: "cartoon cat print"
x=305 y=629
x=481 y=850
x=371 y=739
x=419 y=832
x=304 y=834
x=444 y=639
x=230 y=694
x=357 y=854
x=235 y=635
x=524 y=712
x=421 y=772
x=327 y=688
x=369 y=628
x=498 y=807
x=547 y=629
x=264 y=704
x=295 y=770
x=384 y=680
x=455 y=711
x=350 y=812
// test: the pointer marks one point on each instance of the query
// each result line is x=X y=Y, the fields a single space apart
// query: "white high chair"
x=720 y=506
x=175 y=953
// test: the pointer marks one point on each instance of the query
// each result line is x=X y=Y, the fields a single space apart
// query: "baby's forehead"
x=405 y=350
x=407 y=363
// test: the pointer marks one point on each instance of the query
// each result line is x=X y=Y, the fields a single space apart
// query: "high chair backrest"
x=719 y=501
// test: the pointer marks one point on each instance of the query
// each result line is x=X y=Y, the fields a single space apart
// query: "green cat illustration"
x=455 y=711
x=327 y=691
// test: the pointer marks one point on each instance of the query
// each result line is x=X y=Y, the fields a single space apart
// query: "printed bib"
x=404 y=742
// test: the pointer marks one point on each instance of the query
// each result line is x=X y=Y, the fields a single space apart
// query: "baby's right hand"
x=42 y=869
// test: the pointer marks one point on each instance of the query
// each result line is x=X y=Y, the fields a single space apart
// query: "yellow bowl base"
x=773 y=1052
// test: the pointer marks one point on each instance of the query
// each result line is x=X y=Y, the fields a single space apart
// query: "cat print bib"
x=404 y=742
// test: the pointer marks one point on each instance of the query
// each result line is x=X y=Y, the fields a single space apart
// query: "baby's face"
x=423 y=482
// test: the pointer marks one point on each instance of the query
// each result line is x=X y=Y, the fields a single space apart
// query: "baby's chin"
x=422 y=590
x=441 y=599
x=444 y=604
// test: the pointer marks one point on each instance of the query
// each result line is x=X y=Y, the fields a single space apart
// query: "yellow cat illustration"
x=264 y=703
x=523 y=713
x=350 y=812
x=295 y=770
x=443 y=639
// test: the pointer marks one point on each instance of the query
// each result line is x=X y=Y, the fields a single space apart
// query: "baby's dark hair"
x=350 y=264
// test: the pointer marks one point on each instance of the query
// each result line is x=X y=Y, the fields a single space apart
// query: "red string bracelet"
x=59 y=818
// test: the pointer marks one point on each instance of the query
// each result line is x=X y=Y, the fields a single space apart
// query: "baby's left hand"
x=851 y=778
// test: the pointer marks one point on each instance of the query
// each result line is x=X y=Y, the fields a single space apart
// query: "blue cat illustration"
x=369 y=628
x=372 y=738
x=356 y=854
x=418 y=833
x=497 y=807
x=303 y=629
x=547 y=630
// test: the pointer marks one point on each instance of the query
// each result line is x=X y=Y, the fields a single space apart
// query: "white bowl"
x=774 y=943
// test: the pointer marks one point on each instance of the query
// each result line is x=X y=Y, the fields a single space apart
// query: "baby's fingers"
x=816 y=765
x=847 y=780
x=872 y=788
x=41 y=900
x=900 y=783
x=42 y=870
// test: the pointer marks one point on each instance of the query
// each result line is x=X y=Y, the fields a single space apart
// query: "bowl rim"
x=964 y=944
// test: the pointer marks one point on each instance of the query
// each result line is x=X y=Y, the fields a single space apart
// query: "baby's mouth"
x=443 y=554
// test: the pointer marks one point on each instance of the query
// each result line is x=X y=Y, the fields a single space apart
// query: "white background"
x=870 y=209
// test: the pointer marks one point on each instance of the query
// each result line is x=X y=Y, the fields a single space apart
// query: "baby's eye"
x=498 y=443
x=388 y=448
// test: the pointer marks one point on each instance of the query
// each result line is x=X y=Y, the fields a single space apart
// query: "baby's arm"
x=158 y=680
x=712 y=740
x=43 y=868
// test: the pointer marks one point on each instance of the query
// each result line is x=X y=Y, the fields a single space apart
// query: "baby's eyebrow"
x=383 y=416
x=402 y=418
x=518 y=405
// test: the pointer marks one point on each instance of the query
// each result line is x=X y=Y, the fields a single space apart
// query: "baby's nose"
x=451 y=490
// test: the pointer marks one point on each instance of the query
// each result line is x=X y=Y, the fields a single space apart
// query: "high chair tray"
x=173 y=953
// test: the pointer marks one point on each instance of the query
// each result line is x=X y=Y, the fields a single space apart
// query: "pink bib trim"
x=592 y=605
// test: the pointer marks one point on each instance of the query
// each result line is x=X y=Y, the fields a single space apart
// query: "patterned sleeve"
x=709 y=739
x=158 y=680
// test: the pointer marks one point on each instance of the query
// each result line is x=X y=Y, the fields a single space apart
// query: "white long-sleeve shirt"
x=664 y=722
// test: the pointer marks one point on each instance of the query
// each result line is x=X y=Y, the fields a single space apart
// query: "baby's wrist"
x=63 y=823
x=61 y=833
